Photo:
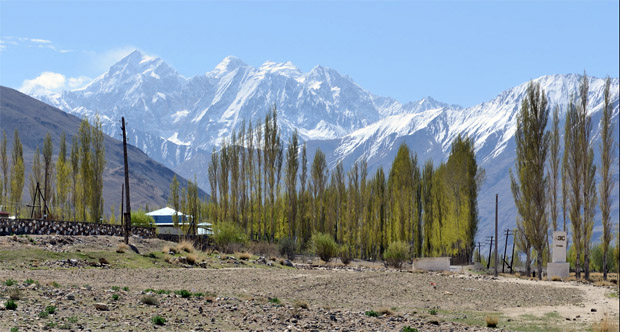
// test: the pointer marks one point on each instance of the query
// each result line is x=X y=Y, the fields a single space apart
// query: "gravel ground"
x=308 y=298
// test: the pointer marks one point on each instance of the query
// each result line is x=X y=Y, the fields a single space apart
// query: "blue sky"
x=461 y=52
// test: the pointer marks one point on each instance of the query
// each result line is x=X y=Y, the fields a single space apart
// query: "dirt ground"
x=276 y=298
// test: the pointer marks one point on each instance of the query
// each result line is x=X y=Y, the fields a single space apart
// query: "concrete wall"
x=432 y=264
x=42 y=227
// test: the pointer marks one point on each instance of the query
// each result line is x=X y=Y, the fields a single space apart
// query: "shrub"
x=346 y=254
x=385 y=311
x=408 y=329
x=371 y=313
x=159 y=320
x=115 y=288
x=115 y=297
x=15 y=294
x=183 y=293
x=192 y=259
x=274 y=300
x=287 y=247
x=149 y=300
x=29 y=282
x=15 y=329
x=299 y=304
x=55 y=284
x=491 y=321
x=139 y=218
x=126 y=289
x=186 y=246
x=72 y=319
x=244 y=256
x=122 y=248
x=228 y=237
x=9 y=282
x=433 y=312
x=43 y=314
x=50 y=309
x=10 y=305
x=324 y=246
x=396 y=253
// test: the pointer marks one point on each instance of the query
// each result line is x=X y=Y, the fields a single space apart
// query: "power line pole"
x=128 y=204
x=496 y=239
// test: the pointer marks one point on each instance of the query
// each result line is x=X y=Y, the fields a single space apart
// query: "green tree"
x=36 y=178
x=427 y=202
x=554 y=166
x=97 y=167
x=86 y=172
x=4 y=164
x=17 y=173
x=48 y=167
x=292 y=165
x=529 y=188
x=574 y=176
x=174 y=200
x=607 y=184
x=63 y=174
x=318 y=184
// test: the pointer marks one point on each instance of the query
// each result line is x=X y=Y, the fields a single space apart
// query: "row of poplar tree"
x=540 y=171
x=71 y=186
x=271 y=192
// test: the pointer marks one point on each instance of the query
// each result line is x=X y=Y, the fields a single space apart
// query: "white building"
x=165 y=225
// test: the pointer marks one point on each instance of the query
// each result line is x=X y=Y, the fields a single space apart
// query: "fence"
x=58 y=227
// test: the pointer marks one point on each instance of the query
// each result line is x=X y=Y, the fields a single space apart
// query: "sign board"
x=559 y=247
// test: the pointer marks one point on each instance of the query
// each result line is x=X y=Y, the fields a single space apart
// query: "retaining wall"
x=44 y=227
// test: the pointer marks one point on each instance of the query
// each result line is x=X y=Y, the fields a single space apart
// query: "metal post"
x=496 y=203
x=123 y=206
x=490 y=248
x=505 y=247
x=128 y=202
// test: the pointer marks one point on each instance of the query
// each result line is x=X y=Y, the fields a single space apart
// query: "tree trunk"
x=528 y=263
x=539 y=263
x=605 y=265
x=586 y=265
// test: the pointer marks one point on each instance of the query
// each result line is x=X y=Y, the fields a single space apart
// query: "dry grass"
x=385 y=312
x=186 y=246
x=605 y=325
x=15 y=294
x=263 y=249
x=168 y=258
x=122 y=248
x=492 y=321
x=192 y=259
x=149 y=300
x=556 y=278
x=244 y=256
x=299 y=304
x=604 y=283
x=166 y=250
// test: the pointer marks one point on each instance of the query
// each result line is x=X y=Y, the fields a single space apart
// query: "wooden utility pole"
x=127 y=202
x=496 y=203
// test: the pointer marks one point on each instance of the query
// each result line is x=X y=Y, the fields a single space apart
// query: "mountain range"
x=149 y=180
x=178 y=120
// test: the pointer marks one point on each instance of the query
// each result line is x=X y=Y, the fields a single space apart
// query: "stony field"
x=84 y=284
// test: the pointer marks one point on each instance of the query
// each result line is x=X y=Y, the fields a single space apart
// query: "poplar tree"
x=589 y=171
x=97 y=167
x=554 y=165
x=427 y=202
x=4 y=163
x=63 y=173
x=86 y=171
x=17 y=173
x=292 y=165
x=304 y=226
x=48 y=167
x=607 y=184
x=212 y=170
x=36 y=177
x=75 y=176
x=174 y=200
x=574 y=175
x=529 y=188
x=318 y=183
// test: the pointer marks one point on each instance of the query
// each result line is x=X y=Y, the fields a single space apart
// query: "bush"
x=29 y=282
x=371 y=313
x=287 y=247
x=43 y=314
x=492 y=321
x=228 y=237
x=244 y=256
x=121 y=248
x=9 y=282
x=396 y=253
x=183 y=293
x=192 y=259
x=139 y=218
x=433 y=312
x=115 y=297
x=10 y=305
x=408 y=329
x=50 y=309
x=274 y=300
x=159 y=320
x=149 y=300
x=186 y=246
x=324 y=246
x=346 y=254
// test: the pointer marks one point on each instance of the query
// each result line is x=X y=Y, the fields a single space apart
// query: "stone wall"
x=43 y=227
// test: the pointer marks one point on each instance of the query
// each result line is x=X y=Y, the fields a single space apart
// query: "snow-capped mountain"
x=178 y=120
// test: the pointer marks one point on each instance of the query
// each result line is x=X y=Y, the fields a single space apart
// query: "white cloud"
x=49 y=82
x=30 y=42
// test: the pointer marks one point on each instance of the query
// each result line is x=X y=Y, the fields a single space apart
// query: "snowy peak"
x=228 y=64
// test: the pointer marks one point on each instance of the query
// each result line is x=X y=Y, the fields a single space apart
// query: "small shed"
x=165 y=224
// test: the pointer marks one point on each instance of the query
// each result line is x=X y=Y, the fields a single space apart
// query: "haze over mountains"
x=178 y=120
